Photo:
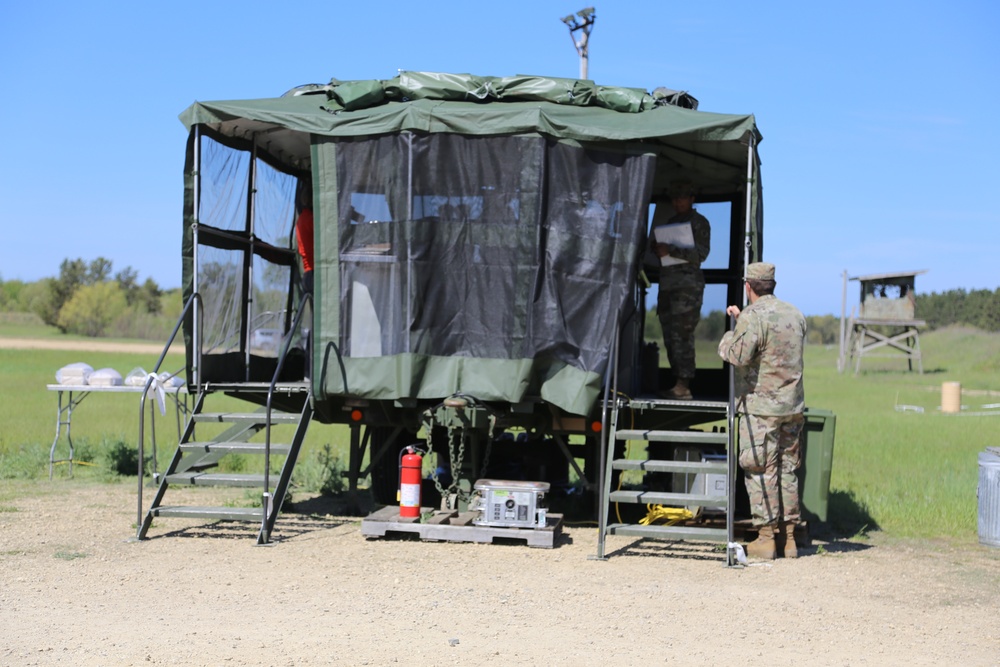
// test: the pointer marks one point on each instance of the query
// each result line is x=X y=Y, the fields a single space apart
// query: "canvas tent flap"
x=630 y=100
x=541 y=89
x=358 y=94
x=410 y=86
x=438 y=86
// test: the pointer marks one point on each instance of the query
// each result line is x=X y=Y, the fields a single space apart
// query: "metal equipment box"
x=511 y=503
x=715 y=483
x=708 y=484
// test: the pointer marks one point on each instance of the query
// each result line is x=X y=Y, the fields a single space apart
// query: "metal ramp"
x=671 y=476
x=195 y=460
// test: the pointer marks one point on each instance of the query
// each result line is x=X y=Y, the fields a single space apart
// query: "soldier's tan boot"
x=791 y=550
x=763 y=547
x=680 y=391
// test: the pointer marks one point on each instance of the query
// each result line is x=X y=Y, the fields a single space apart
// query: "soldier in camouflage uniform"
x=766 y=349
x=682 y=287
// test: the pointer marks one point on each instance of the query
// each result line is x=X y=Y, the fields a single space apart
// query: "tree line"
x=821 y=329
x=89 y=299
x=975 y=308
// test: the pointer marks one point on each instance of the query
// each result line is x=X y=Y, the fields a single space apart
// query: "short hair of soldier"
x=761 y=287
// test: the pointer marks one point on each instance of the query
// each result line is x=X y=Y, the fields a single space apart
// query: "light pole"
x=582 y=22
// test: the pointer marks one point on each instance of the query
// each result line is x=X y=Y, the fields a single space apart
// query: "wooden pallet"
x=454 y=526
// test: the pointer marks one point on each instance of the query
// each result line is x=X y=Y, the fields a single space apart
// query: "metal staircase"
x=687 y=482
x=194 y=461
x=670 y=477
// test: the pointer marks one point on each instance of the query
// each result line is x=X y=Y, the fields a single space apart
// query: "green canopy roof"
x=710 y=144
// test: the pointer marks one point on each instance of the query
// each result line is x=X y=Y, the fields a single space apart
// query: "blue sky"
x=881 y=151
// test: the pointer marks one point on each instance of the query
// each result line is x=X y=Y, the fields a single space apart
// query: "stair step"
x=684 y=437
x=219 y=479
x=649 y=465
x=227 y=513
x=666 y=405
x=258 y=387
x=692 y=533
x=235 y=447
x=252 y=417
x=665 y=498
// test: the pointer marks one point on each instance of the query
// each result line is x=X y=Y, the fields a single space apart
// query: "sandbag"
x=74 y=374
x=105 y=377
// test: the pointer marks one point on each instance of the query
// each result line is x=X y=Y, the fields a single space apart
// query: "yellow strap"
x=669 y=515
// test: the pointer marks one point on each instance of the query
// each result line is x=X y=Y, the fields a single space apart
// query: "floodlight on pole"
x=582 y=22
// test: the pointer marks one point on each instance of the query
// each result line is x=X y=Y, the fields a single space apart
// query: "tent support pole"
x=749 y=203
x=409 y=235
x=196 y=306
x=248 y=261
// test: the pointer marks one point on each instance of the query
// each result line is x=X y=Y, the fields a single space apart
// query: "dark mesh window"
x=486 y=247
x=243 y=261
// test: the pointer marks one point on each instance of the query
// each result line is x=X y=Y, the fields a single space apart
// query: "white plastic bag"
x=168 y=380
x=136 y=377
x=76 y=374
x=105 y=377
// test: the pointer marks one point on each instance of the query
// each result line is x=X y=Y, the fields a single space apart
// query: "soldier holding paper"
x=681 y=243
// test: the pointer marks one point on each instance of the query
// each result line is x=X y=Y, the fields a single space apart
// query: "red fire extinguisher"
x=408 y=495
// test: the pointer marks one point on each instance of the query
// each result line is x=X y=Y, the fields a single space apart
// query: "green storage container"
x=817 y=463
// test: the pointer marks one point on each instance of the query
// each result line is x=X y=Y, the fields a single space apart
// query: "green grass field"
x=103 y=422
x=907 y=473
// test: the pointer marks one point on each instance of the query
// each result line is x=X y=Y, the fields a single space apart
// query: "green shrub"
x=321 y=472
x=120 y=458
x=92 y=309
x=24 y=462
x=84 y=451
x=235 y=463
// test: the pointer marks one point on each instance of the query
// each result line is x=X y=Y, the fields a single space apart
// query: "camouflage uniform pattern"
x=766 y=349
x=769 y=455
x=682 y=289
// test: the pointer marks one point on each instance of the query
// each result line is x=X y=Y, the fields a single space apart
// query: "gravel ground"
x=74 y=590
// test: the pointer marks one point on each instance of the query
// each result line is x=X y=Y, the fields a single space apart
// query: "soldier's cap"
x=681 y=189
x=760 y=271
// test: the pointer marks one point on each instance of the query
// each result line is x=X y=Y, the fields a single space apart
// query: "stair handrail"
x=152 y=378
x=307 y=299
x=610 y=390
x=731 y=460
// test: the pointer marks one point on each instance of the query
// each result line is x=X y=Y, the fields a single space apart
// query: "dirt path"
x=75 y=591
x=85 y=345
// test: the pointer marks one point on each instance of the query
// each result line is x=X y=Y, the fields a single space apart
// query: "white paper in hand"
x=677 y=234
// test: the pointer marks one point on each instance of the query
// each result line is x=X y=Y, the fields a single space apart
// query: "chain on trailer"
x=451 y=413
